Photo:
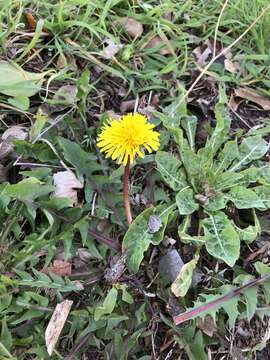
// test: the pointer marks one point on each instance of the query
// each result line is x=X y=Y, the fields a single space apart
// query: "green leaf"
x=84 y=162
x=108 y=304
x=263 y=192
x=244 y=198
x=216 y=203
x=189 y=123
x=227 y=155
x=20 y=102
x=6 y=337
x=183 y=281
x=28 y=189
x=221 y=239
x=251 y=232
x=226 y=180
x=251 y=148
x=231 y=308
x=17 y=82
x=170 y=169
x=195 y=348
x=138 y=236
x=185 y=201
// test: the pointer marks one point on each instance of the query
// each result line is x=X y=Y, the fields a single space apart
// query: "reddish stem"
x=126 y=198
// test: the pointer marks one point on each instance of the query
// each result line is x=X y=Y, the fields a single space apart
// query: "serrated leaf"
x=263 y=192
x=231 y=308
x=189 y=123
x=108 y=304
x=138 y=237
x=244 y=198
x=184 y=279
x=221 y=239
x=6 y=337
x=251 y=148
x=84 y=162
x=251 y=232
x=170 y=168
x=227 y=155
x=185 y=201
x=17 y=82
x=28 y=189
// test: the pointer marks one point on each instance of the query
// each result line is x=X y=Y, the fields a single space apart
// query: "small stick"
x=126 y=198
x=190 y=314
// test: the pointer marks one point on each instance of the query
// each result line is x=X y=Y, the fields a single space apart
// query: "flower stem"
x=126 y=198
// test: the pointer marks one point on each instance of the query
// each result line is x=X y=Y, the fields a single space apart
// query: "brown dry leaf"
x=110 y=50
x=66 y=184
x=30 y=21
x=132 y=26
x=156 y=41
x=56 y=324
x=233 y=104
x=251 y=95
x=61 y=62
x=58 y=267
x=127 y=105
x=207 y=325
x=230 y=66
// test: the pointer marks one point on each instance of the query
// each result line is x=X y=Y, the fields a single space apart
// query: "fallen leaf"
x=207 y=325
x=230 y=66
x=15 y=132
x=202 y=56
x=61 y=62
x=251 y=95
x=157 y=41
x=56 y=324
x=127 y=105
x=154 y=224
x=183 y=282
x=233 y=104
x=64 y=97
x=30 y=21
x=111 y=49
x=66 y=184
x=58 y=267
x=133 y=27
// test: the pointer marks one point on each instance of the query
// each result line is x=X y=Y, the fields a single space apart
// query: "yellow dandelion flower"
x=127 y=137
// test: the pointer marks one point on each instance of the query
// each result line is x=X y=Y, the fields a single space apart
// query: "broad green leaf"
x=231 y=308
x=189 y=123
x=195 y=348
x=108 y=304
x=244 y=198
x=251 y=232
x=20 y=102
x=264 y=269
x=183 y=281
x=28 y=189
x=226 y=180
x=227 y=155
x=263 y=192
x=170 y=168
x=221 y=239
x=251 y=148
x=139 y=236
x=250 y=294
x=185 y=201
x=6 y=337
x=216 y=202
x=220 y=133
x=17 y=82
x=84 y=162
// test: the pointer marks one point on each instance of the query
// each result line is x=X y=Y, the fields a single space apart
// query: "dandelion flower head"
x=127 y=137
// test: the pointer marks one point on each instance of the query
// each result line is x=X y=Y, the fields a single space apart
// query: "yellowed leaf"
x=56 y=324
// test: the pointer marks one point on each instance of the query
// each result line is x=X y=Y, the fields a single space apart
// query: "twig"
x=217 y=26
x=126 y=198
x=190 y=314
